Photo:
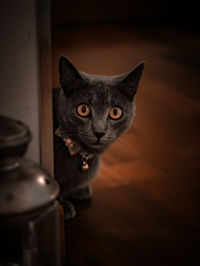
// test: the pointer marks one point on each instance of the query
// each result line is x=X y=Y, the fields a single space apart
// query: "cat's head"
x=95 y=110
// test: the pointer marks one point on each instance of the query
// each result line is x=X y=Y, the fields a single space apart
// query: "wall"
x=19 y=66
x=166 y=12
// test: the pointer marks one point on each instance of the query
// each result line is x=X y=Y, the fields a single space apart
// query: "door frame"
x=43 y=8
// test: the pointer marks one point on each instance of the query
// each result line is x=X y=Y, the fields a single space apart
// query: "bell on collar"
x=85 y=166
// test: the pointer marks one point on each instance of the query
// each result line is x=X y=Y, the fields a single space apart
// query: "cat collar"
x=75 y=148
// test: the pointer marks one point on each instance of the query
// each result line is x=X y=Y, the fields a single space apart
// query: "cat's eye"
x=115 y=112
x=83 y=110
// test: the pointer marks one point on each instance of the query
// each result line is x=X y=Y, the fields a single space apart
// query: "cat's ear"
x=129 y=81
x=68 y=72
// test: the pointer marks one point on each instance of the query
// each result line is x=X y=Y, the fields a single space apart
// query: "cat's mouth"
x=96 y=144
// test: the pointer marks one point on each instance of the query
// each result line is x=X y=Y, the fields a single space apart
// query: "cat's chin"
x=95 y=147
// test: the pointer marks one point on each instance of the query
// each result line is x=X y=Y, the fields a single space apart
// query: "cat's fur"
x=100 y=93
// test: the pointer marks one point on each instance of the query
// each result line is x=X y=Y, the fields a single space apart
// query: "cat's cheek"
x=77 y=119
x=120 y=126
x=83 y=124
x=116 y=124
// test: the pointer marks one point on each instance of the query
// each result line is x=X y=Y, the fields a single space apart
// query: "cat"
x=90 y=113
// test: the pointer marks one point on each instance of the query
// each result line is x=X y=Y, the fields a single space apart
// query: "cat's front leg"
x=68 y=207
x=82 y=193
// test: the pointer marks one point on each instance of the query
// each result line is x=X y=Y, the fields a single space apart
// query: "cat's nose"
x=99 y=134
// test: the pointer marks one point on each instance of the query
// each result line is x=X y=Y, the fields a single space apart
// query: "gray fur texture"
x=96 y=132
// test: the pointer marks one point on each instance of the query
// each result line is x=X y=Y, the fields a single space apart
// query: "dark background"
x=180 y=13
x=145 y=206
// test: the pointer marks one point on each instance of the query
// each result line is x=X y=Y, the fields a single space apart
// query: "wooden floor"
x=145 y=208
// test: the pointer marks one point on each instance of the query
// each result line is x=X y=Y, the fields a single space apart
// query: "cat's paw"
x=69 y=210
x=82 y=194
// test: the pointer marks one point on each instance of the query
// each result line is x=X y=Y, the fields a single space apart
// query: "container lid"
x=13 y=132
x=14 y=139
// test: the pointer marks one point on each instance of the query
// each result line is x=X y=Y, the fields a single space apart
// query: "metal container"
x=29 y=222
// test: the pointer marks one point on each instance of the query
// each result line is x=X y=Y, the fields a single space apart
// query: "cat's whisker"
x=76 y=139
x=122 y=141
x=129 y=134
x=116 y=151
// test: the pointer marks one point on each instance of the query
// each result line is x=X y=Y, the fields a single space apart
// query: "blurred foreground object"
x=30 y=233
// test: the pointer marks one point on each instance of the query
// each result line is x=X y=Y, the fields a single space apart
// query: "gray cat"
x=90 y=113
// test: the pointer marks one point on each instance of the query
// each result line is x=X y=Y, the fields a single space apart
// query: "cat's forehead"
x=100 y=90
x=98 y=93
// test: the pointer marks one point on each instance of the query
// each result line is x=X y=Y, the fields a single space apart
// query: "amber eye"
x=83 y=110
x=115 y=112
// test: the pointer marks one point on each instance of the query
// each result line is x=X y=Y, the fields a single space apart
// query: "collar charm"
x=73 y=147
